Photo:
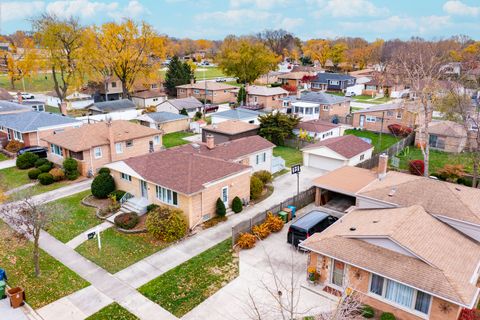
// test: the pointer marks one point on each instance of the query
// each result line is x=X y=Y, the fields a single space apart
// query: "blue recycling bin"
x=294 y=210
x=3 y=275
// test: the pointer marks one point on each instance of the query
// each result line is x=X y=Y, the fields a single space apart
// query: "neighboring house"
x=190 y=104
x=294 y=79
x=210 y=91
x=167 y=122
x=332 y=82
x=399 y=260
x=34 y=105
x=182 y=180
x=268 y=98
x=109 y=90
x=445 y=135
x=268 y=78
x=7 y=107
x=76 y=100
x=317 y=105
x=318 y=129
x=32 y=126
x=377 y=118
x=333 y=153
x=105 y=107
x=245 y=115
x=229 y=130
x=95 y=145
x=148 y=98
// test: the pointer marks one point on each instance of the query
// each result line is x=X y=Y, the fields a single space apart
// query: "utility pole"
x=379 y=145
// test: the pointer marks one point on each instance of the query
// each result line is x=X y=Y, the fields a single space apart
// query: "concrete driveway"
x=256 y=283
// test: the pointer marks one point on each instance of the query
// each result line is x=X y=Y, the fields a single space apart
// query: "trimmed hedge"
x=220 y=210
x=416 y=167
x=45 y=178
x=57 y=174
x=127 y=220
x=33 y=173
x=102 y=186
x=368 y=312
x=264 y=176
x=70 y=166
x=26 y=160
x=40 y=162
x=166 y=224
x=237 y=205
x=104 y=171
x=387 y=316
x=152 y=207
x=46 y=167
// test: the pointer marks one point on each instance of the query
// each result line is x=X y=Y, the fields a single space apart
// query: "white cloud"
x=291 y=23
x=81 y=8
x=457 y=7
x=19 y=10
x=390 y=24
x=261 y=4
x=237 y=16
x=347 y=8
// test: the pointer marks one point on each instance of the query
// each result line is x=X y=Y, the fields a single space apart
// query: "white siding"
x=267 y=165
x=356 y=160
x=388 y=244
x=216 y=120
x=473 y=231
x=366 y=203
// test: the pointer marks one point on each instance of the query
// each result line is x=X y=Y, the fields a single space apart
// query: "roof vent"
x=353 y=228
x=458 y=189
x=392 y=192
x=375 y=221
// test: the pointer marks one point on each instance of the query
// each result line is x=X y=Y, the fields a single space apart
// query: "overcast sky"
x=214 y=19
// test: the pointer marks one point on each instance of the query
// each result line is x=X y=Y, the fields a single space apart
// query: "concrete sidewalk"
x=7 y=164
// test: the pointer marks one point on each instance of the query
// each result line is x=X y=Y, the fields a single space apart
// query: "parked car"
x=350 y=94
x=219 y=79
x=211 y=108
x=26 y=95
x=39 y=151
x=304 y=227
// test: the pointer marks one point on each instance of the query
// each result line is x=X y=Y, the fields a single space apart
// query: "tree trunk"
x=124 y=89
x=36 y=254
x=475 y=171
x=56 y=85
x=12 y=83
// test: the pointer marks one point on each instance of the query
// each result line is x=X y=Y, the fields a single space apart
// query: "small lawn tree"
x=220 y=210
x=103 y=185
x=237 y=205
x=242 y=96
x=70 y=166
x=166 y=224
x=276 y=127
x=256 y=187
x=26 y=160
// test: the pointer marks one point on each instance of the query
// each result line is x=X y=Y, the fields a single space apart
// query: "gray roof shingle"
x=164 y=116
x=323 y=77
x=114 y=105
x=8 y=107
x=33 y=120
x=190 y=103
x=318 y=97
x=238 y=114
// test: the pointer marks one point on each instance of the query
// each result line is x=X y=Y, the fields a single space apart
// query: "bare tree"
x=419 y=63
x=279 y=40
x=349 y=307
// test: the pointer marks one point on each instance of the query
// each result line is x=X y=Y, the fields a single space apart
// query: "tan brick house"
x=399 y=260
x=266 y=97
x=294 y=79
x=444 y=135
x=95 y=145
x=167 y=122
x=211 y=91
x=378 y=118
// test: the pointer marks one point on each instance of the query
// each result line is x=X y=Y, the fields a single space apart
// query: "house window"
x=119 y=147
x=362 y=157
x=436 y=142
x=97 y=152
x=338 y=271
x=9 y=135
x=17 y=135
x=156 y=140
x=166 y=195
x=285 y=103
x=325 y=108
x=334 y=82
x=76 y=155
x=317 y=110
x=196 y=91
x=390 y=113
x=400 y=294
x=371 y=119
x=308 y=110
x=261 y=158
x=255 y=99
x=126 y=177
x=155 y=99
x=399 y=115
x=129 y=143
x=56 y=149
x=114 y=84
x=38 y=108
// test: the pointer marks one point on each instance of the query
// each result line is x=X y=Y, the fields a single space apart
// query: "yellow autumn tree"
x=318 y=50
x=130 y=51
x=21 y=59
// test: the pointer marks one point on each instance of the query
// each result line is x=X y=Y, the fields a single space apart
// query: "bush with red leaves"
x=399 y=130
x=469 y=314
x=290 y=88
x=416 y=167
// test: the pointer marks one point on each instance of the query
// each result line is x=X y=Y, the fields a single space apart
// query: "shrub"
x=40 y=162
x=152 y=206
x=468 y=314
x=166 y=224
x=57 y=174
x=220 y=210
x=466 y=181
x=198 y=115
x=416 y=167
x=46 y=167
x=256 y=187
x=102 y=186
x=33 y=173
x=246 y=241
x=26 y=160
x=14 y=145
x=368 y=312
x=237 y=205
x=127 y=220
x=118 y=194
x=45 y=178
x=451 y=172
x=70 y=166
x=72 y=175
x=264 y=176
x=387 y=316
x=399 y=130
x=262 y=231
x=104 y=171
x=274 y=223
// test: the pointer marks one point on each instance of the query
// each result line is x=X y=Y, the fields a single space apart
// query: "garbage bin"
x=17 y=296
x=289 y=212
x=294 y=210
x=284 y=216
x=2 y=289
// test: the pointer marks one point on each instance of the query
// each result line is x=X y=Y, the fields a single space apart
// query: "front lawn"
x=387 y=139
x=11 y=178
x=209 y=73
x=3 y=157
x=176 y=139
x=189 y=284
x=55 y=281
x=438 y=159
x=74 y=218
x=119 y=250
x=36 y=83
x=112 y=311
x=290 y=155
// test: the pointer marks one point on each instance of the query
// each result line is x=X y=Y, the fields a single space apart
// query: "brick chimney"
x=210 y=141
x=382 y=165
x=63 y=108
x=111 y=140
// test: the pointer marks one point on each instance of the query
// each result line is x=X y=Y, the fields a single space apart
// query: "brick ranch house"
x=95 y=145
x=378 y=118
x=212 y=92
x=444 y=135
x=268 y=98
x=31 y=127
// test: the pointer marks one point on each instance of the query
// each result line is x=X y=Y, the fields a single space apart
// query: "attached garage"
x=322 y=161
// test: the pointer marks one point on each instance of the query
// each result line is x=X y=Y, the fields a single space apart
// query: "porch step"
x=229 y=212
x=139 y=206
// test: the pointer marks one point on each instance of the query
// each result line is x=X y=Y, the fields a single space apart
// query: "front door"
x=362 y=121
x=225 y=196
x=143 y=188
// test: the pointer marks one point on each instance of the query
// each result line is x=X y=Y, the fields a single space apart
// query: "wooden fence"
x=303 y=199
x=393 y=150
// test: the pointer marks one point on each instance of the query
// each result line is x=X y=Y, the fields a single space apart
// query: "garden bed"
x=139 y=228
x=267 y=192
x=101 y=206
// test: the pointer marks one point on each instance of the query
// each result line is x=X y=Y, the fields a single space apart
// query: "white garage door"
x=323 y=163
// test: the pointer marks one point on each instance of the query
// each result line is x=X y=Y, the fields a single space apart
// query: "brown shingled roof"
x=316 y=125
x=346 y=179
x=347 y=146
x=231 y=127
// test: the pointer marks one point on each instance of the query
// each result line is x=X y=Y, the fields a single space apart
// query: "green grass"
x=3 y=157
x=234 y=83
x=369 y=99
x=74 y=219
x=210 y=72
x=112 y=311
x=55 y=280
x=119 y=250
x=38 y=189
x=290 y=155
x=35 y=83
x=52 y=109
x=175 y=139
x=336 y=93
x=387 y=139
x=437 y=160
x=11 y=178
x=189 y=284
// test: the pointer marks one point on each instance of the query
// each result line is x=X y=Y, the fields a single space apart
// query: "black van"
x=41 y=152
x=312 y=222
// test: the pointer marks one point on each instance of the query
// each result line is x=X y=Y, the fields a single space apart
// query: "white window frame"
x=362 y=157
x=156 y=140
x=166 y=196
x=125 y=177
x=119 y=147
x=196 y=91
x=330 y=276
x=325 y=108
x=97 y=156
x=399 y=115
x=333 y=82
x=261 y=158
x=17 y=135
x=370 y=119
x=56 y=150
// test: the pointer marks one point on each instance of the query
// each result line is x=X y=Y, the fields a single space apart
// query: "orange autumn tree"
x=22 y=58
x=319 y=50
